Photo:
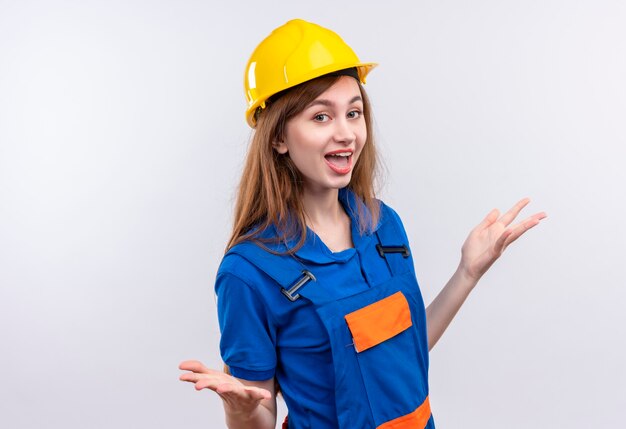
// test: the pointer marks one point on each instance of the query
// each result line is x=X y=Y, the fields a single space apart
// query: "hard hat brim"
x=363 y=69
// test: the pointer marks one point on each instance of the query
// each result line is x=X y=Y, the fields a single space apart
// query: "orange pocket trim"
x=416 y=420
x=379 y=321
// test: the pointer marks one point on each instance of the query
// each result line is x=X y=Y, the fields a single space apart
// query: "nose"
x=344 y=131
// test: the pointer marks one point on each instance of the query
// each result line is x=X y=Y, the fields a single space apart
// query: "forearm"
x=444 y=307
x=481 y=249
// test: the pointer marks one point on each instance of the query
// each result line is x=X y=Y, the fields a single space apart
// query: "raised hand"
x=239 y=398
x=489 y=239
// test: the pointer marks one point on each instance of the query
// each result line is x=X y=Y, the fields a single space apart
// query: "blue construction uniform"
x=343 y=333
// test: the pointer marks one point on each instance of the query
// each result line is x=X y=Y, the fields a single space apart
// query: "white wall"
x=122 y=138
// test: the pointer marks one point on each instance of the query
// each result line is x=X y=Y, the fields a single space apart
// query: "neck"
x=322 y=207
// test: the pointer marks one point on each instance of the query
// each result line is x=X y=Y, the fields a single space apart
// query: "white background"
x=122 y=137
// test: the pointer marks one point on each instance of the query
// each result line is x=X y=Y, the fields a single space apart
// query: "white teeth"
x=345 y=154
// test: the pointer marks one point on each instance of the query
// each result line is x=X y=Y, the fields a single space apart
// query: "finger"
x=508 y=217
x=502 y=242
x=193 y=376
x=191 y=365
x=491 y=217
x=524 y=226
x=242 y=391
x=208 y=383
x=197 y=366
x=202 y=382
x=189 y=376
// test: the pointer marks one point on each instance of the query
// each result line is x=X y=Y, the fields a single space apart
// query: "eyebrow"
x=329 y=103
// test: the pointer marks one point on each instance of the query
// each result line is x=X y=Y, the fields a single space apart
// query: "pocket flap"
x=377 y=322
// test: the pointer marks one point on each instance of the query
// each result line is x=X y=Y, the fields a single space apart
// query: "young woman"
x=317 y=291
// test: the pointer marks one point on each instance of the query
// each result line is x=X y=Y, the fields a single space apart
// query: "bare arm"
x=247 y=404
x=481 y=249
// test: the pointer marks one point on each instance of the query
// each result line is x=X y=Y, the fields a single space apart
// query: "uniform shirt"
x=264 y=335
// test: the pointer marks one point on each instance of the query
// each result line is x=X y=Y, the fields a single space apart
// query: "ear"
x=280 y=147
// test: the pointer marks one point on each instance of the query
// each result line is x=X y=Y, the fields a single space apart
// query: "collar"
x=314 y=250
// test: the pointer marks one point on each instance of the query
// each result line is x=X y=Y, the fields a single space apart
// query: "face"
x=325 y=140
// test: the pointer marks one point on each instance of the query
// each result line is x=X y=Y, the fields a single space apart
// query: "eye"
x=321 y=117
x=354 y=114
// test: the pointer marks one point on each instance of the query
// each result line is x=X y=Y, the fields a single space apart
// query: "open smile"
x=340 y=161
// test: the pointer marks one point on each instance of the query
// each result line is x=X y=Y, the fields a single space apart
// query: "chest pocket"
x=380 y=321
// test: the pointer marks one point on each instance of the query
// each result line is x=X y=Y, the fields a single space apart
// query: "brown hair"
x=271 y=186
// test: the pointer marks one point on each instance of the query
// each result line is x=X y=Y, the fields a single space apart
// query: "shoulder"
x=234 y=263
x=241 y=286
x=255 y=265
x=250 y=276
x=239 y=258
x=390 y=221
x=386 y=210
x=388 y=214
x=237 y=264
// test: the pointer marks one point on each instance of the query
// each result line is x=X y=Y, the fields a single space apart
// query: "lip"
x=336 y=169
x=334 y=152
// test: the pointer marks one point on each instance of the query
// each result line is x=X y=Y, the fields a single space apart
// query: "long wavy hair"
x=270 y=190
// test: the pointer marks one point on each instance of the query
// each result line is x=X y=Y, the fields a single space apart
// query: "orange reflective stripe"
x=416 y=420
x=379 y=321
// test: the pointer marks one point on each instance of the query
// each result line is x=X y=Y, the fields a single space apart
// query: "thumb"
x=258 y=392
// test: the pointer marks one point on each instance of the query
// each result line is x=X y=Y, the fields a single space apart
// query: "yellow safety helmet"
x=293 y=53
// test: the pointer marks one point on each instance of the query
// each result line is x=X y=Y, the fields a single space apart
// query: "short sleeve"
x=248 y=336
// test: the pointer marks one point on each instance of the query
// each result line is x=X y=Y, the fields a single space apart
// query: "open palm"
x=489 y=239
x=237 y=396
